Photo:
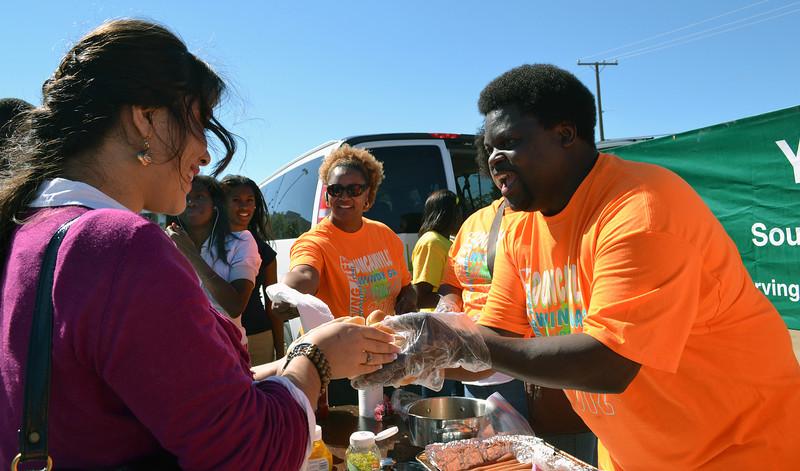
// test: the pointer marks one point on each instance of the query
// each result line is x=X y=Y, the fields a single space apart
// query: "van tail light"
x=323 y=210
x=439 y=135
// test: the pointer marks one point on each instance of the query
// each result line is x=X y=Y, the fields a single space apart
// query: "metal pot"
x=445 y=419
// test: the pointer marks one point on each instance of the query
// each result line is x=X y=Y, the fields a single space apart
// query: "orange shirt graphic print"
x=553 y=300
x=359 y=272
x=372 y=282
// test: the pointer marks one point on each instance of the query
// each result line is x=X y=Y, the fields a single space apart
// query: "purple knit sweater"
x=140 y=360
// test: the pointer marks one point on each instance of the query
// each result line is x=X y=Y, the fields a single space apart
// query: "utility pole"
x=599 y=101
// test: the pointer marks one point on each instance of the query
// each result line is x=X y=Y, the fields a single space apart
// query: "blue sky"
x=302 y=73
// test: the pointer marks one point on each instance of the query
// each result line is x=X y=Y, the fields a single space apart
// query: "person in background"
x=465 y=288
x=144 y=371
x=247 y=210
x=12 y=113
x=226 y=261
x=441 y=220
x=353 y=264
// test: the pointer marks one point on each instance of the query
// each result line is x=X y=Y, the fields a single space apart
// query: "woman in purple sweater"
x=142 y=366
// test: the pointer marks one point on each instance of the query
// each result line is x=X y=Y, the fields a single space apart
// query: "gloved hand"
x=429 y=342
x=446 y=306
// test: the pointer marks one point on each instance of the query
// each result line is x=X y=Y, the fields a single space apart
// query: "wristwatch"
x=313 y=353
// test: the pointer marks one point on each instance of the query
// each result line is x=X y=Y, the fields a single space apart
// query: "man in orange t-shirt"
x=642 y=309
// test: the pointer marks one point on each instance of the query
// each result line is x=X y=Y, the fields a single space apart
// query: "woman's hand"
x=181 y=239
x=303 y=278
x=433 y=342
x=283 y=311
x=352 y=349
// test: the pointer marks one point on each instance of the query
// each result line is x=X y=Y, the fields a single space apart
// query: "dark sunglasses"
x=354 y=189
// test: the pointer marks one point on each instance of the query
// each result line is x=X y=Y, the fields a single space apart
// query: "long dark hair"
x=259 y=225
x=220 y=224
x=441 y=213
x=122 y=62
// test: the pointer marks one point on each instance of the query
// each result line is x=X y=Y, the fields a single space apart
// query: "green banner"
x=748 y=172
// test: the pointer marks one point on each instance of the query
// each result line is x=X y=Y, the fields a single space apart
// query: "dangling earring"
x=144 y=155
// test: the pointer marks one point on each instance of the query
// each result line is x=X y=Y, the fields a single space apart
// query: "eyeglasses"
x=354 y=189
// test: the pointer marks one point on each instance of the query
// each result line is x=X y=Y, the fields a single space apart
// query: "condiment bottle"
x=321 y=458
x=363 y=454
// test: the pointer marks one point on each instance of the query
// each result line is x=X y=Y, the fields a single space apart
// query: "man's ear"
x=567 y=132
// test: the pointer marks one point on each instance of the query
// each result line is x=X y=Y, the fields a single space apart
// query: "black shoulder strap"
x=492 y=241
x=33 y=433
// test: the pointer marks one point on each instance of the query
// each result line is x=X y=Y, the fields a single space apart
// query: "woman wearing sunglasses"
x=353 y=264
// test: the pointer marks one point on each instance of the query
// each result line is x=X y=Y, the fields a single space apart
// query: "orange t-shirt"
x=639 y=262
x=466 y=264
x=359 y=271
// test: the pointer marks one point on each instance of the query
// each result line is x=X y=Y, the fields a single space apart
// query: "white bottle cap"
x=362 y=439
x=318 y=434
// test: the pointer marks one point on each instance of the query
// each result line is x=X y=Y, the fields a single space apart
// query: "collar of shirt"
x=63 y=192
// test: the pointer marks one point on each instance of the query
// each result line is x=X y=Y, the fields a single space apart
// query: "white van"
x=414 y=165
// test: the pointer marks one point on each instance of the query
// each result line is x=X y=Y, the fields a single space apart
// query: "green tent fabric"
x=748 y=172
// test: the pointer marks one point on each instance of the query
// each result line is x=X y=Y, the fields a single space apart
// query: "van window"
x=474 y=189
x=412 y=173
x=290 y=200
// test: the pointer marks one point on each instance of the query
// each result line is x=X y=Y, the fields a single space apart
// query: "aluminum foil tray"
x=462 y=455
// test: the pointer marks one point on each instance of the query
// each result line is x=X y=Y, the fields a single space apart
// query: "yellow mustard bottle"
x=321 y=458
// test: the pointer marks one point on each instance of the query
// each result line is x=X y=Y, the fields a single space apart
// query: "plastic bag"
x=430 y=342
x=313 y=312
x=402 y=401
x=503 y=419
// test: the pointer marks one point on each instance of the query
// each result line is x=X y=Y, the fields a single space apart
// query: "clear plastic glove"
x=446 y=306
x=429 y=343
x=502 y=419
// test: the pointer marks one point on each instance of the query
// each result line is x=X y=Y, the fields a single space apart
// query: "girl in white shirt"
x=226 y=262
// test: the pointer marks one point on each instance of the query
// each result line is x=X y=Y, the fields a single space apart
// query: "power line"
x=660 y=35
x=596 y=66
x=713 y=31
x=695 y=36
x=702 y=35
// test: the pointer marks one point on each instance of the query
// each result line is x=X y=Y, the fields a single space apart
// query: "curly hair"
x=545 y=91
x=356 y=159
